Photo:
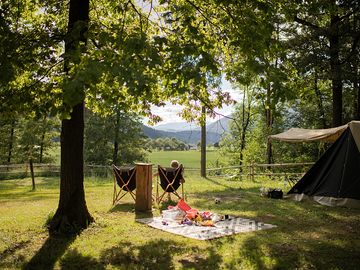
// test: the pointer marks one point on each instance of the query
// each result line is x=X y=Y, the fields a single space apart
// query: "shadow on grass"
x=123 y=207
x=268 y=253
x=73 y=259
x=159 y=254
x=156 y=254
x=49 y=253
x=308 y=236
x=10 y=252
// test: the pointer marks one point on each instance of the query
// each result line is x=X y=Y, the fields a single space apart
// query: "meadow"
x=190 y=158
x=307 y=236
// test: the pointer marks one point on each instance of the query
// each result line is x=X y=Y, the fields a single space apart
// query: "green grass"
x=308 y=235
x=190 y=159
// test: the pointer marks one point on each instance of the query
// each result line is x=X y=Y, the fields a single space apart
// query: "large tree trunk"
x=203 y=144
x=72 y=214
x=335 y=66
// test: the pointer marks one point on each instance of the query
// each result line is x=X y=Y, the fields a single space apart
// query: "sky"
x=169 y=113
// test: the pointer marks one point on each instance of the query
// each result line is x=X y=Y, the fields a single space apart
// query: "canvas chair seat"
x=125 y=180
x=169 y=179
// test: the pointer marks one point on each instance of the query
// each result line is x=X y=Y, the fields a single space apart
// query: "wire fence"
x=287 y=171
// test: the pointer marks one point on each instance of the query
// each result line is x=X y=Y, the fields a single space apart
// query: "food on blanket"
x=191 y=214
x=187 y=222
x=207 y=223
x=216 y=218
x=206 y=215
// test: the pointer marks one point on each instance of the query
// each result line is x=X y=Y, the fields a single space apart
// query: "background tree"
x=7 y=135
x=332 y=28
x=115 y=139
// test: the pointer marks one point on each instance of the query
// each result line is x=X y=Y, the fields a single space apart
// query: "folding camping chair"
x=169 y=179
x=125 y=179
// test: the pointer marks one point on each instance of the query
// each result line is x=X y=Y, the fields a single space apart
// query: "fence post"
x=252 y=171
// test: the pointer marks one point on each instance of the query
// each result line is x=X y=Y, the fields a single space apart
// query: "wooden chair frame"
x=118 y=195
x=170 y=183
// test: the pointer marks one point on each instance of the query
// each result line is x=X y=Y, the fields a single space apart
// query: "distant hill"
x=220 y=126
x=189 y=132
x=188 y=136
x=176 y=126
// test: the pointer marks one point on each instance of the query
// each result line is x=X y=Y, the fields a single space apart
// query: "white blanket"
x=225 y=227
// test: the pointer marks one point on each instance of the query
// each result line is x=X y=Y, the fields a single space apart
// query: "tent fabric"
x=355 y=130
x=328 y=201
x=294 y=135
x=334 y=179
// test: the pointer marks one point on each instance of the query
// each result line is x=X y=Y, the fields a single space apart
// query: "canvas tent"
x=294 y=135
x=334 y=179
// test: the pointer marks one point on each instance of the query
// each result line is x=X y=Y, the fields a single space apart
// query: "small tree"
x=34 y=137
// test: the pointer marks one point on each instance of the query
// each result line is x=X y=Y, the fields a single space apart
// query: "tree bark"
x=32 y=173
x=72 y=214
x=335 y=66
x=244 y=124
x=116 y=138
x=203 y=144
x=42 y=146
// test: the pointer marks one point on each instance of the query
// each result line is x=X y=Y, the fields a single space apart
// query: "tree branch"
x=202 y=13
x=349 y=14
x=304 y=22
x=44 y=75
x=353 y=49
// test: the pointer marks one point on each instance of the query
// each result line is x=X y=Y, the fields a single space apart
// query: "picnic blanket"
x=231 y=226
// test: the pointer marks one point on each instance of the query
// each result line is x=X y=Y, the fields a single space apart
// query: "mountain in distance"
x=219 y=126
x=176 y=126
x=188 y=132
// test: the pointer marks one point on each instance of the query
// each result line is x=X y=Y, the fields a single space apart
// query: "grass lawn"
x=308 y=235
x=190 y=159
